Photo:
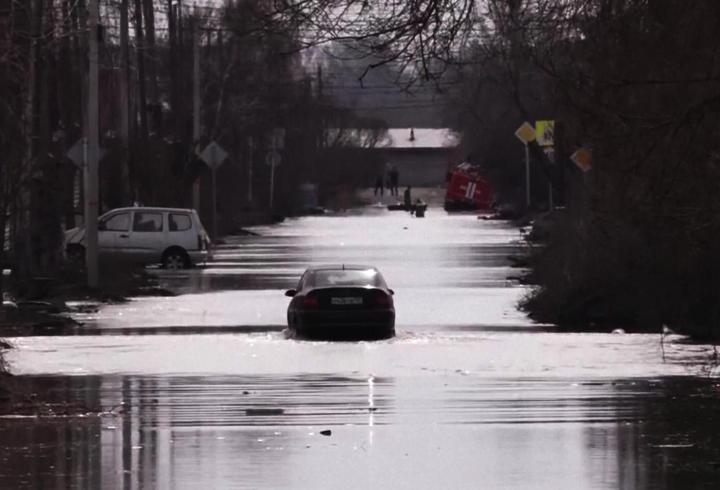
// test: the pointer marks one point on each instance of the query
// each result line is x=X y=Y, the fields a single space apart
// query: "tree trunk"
x=174 y=92
x=151 y=58
x=68 y=109
x=140 y=49
x=125 y=104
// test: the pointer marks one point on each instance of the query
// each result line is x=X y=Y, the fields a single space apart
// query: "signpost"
x=214 y=155
x=526 y=134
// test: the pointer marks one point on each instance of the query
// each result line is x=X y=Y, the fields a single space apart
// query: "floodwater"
x=207 y=390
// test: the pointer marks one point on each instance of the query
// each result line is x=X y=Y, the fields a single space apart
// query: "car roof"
x=151 y=208
x=340 y=267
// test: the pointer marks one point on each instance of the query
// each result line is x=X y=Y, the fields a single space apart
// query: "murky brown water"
x=208 y=391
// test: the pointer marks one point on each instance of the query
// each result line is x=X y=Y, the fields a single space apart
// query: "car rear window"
x=324 y=278
x=179 y=222
x=147 y=222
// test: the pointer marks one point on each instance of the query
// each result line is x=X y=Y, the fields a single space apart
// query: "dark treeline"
x=634 y=81
x=253 y=79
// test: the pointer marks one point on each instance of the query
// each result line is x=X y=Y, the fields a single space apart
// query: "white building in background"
x=423 y=156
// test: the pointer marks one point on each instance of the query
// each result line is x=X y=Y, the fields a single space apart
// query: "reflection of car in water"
x=467 y=189
x=173 y=237
x=337 y=300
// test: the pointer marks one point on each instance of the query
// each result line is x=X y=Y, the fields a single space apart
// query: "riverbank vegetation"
x=253 y=79
x=635 y=246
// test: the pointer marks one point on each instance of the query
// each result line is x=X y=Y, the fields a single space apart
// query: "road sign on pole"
x=583 y=159
x=545 y=133
x=77 y=153
x=214 y=156
x=272 y=159
x=526 y=134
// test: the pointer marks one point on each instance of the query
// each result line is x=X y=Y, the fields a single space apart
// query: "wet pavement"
x=206 y=389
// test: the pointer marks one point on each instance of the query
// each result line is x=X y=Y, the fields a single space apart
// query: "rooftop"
x=419 y=138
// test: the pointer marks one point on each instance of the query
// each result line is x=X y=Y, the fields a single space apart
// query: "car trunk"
x=347 y=298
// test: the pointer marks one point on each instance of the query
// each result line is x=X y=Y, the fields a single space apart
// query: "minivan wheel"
x=175 y=260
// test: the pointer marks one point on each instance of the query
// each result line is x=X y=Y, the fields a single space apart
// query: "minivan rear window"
x=179 y=222
x=147 y=222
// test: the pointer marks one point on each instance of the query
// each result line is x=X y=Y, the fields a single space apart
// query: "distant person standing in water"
x=379 y=185
x=394 y=180
x=408 y=198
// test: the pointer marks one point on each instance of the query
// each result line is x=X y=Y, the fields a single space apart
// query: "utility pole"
x=277 y=142
x=272 y=173
x=124 y=73
x=272 y=185
x=250 y=170
x=196 y=108
x=321 y=121
x=91 y=164
x=124 y=94
x=173 y=69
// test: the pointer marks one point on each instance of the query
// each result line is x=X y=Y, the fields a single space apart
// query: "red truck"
x=468 y=189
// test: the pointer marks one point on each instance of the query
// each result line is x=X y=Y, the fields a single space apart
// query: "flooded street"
x=207 y=389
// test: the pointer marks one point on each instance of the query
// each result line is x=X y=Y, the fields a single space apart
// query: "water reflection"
x=170 y=432
x=201 y=432
x=440 y=251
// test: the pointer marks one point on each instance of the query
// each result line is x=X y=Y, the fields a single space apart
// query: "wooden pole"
x=91 y=164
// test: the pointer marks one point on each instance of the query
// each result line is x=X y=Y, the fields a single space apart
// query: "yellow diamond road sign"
x=525 y=133
x=545 y=133
x=583 y=159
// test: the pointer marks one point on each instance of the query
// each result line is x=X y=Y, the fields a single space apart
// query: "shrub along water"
x=634 y=82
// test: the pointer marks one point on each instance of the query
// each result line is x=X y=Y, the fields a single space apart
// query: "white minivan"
x=171 y=236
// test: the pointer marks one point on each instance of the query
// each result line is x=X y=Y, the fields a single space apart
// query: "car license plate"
x=346 y=301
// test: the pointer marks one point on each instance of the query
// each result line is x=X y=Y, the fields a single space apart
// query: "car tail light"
x=310 y=302
x=203 y=242
x=382 y=300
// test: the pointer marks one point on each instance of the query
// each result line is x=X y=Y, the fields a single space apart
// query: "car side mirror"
x=392 y=293
x=290 y=293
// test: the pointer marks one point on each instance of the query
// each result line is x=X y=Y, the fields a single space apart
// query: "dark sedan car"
x=339 y=300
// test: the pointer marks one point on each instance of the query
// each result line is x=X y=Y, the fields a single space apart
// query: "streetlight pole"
x=90 y=173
